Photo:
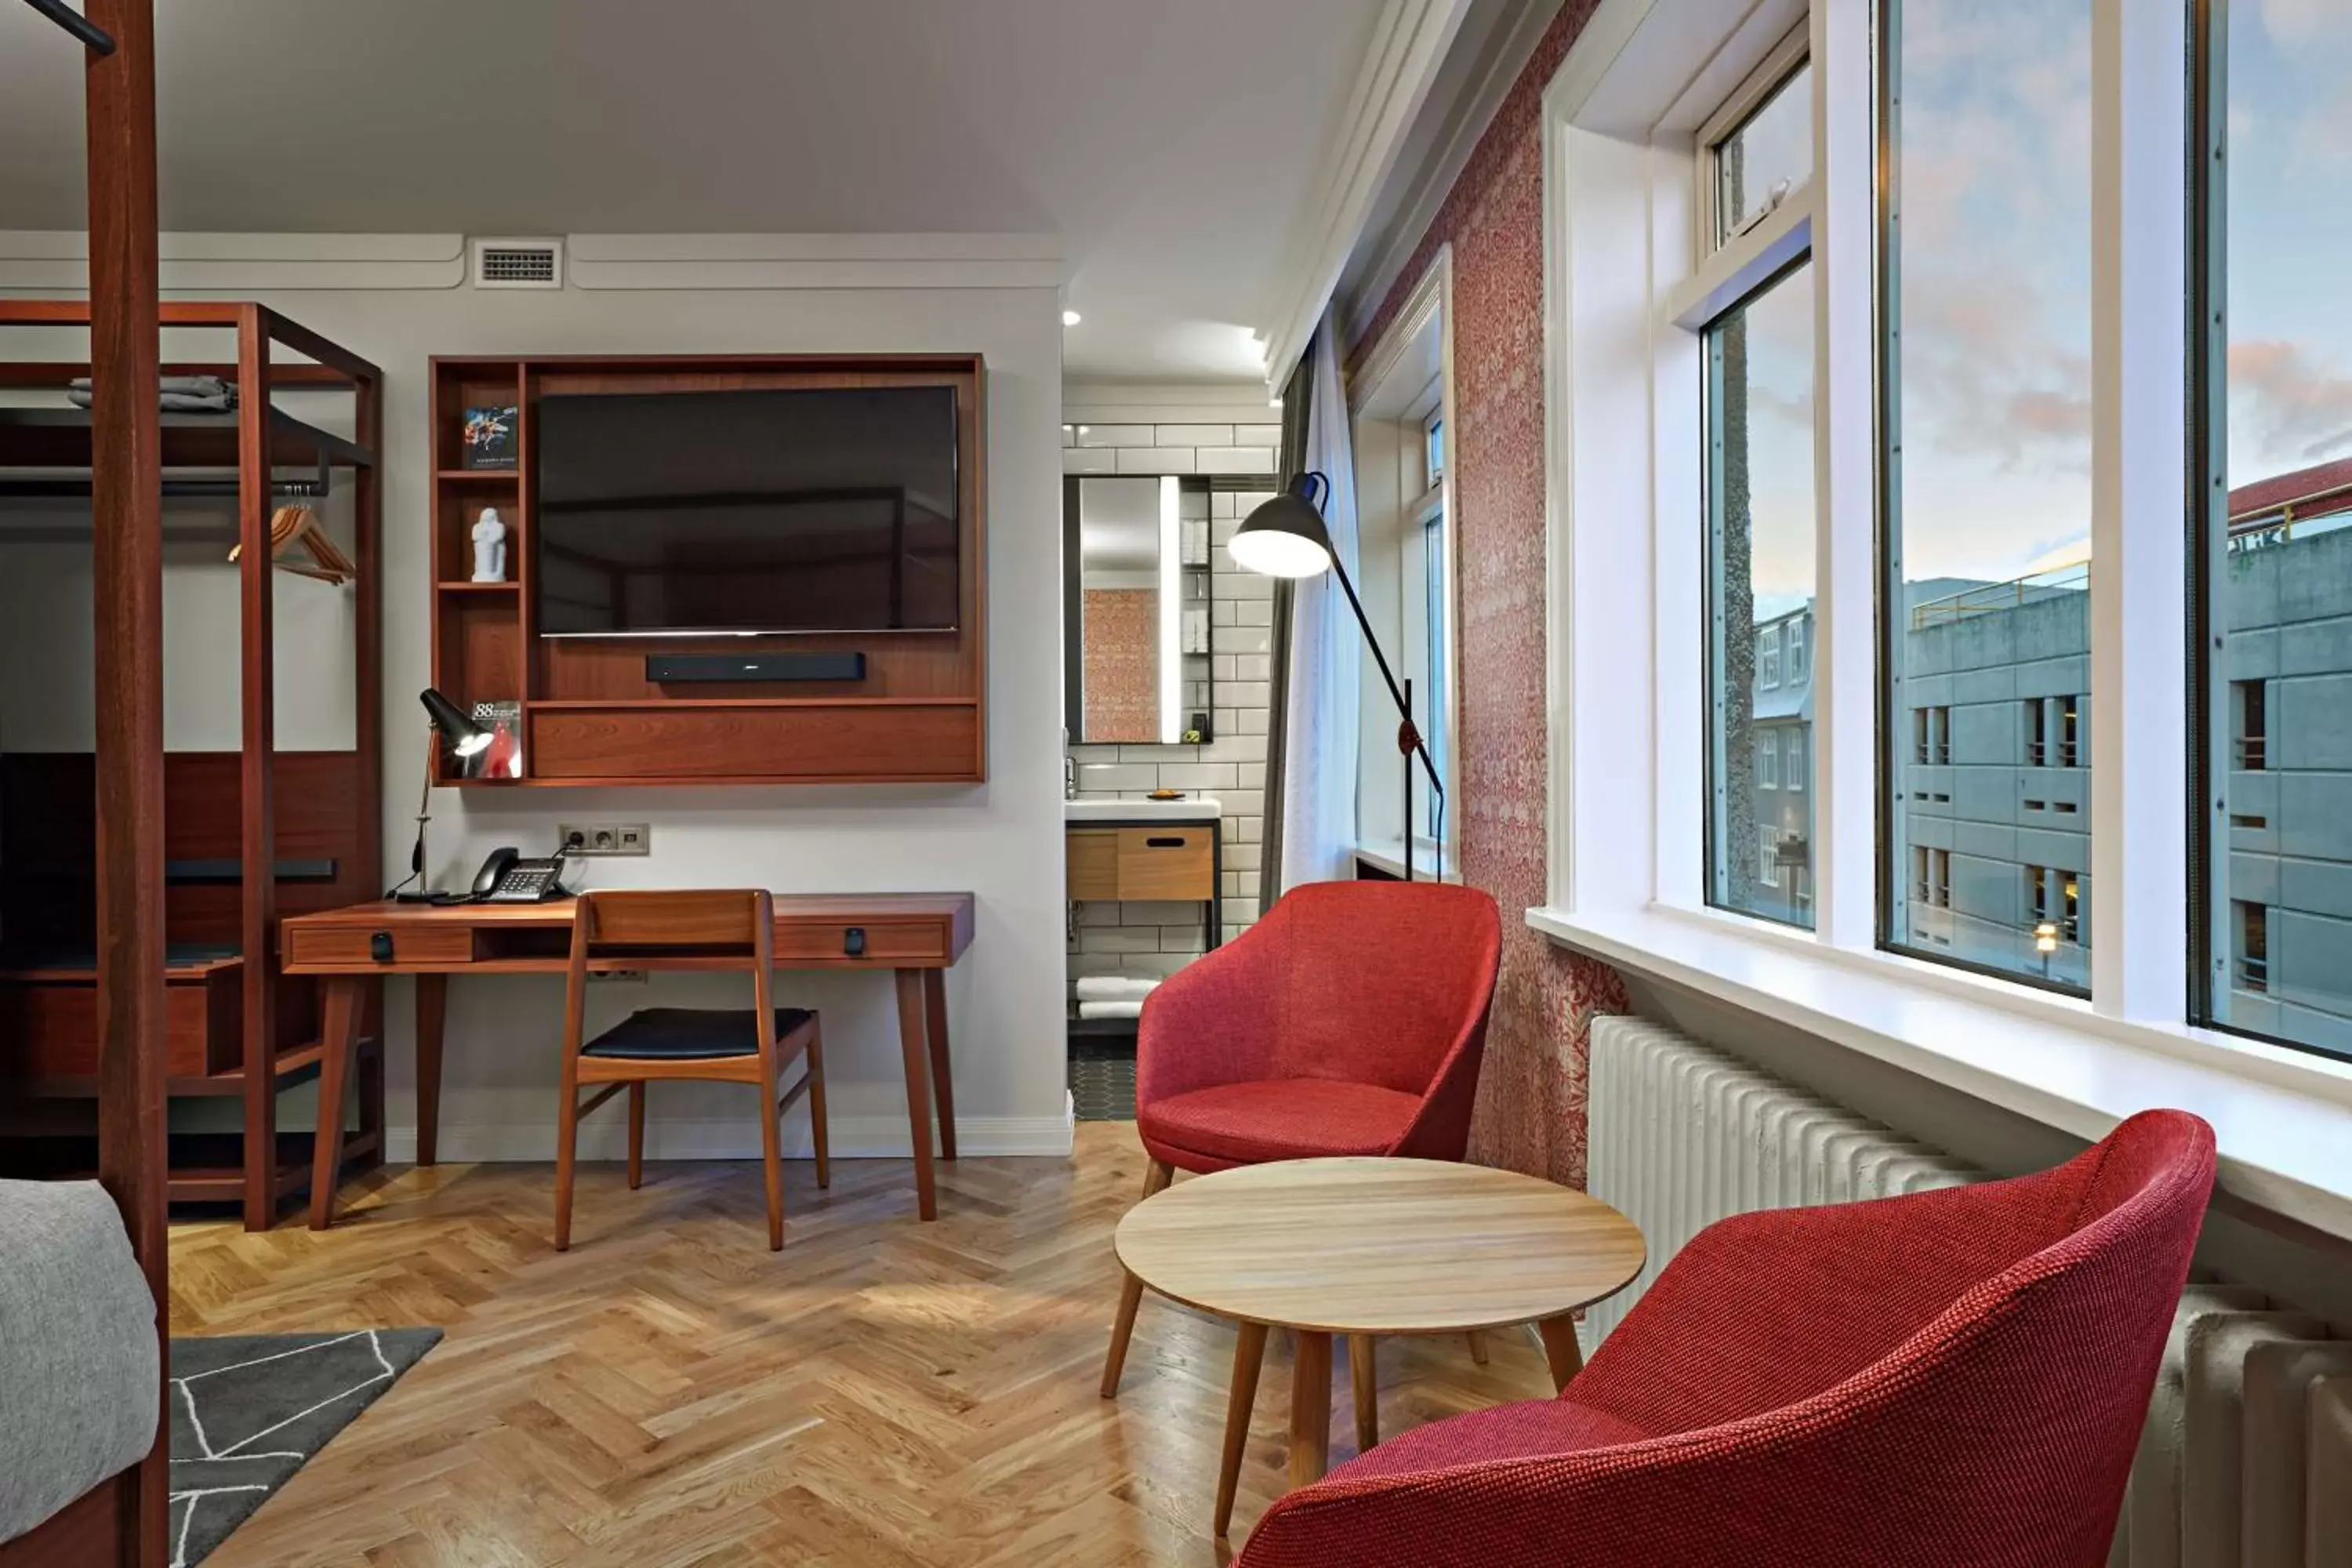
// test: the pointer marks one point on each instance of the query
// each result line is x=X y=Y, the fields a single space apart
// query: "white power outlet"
x=605 y=837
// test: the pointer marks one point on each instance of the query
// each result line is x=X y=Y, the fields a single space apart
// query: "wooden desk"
x=914 y=936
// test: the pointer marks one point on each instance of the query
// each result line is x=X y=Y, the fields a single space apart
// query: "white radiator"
x=2246 y=1461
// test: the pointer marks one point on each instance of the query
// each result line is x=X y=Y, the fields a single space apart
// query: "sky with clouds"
x=1995 y=165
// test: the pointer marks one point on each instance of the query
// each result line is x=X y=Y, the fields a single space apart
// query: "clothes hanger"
x=322 y=557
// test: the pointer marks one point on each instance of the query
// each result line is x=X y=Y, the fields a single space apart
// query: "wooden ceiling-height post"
x=127 y=579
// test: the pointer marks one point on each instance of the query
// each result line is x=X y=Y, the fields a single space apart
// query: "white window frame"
x=1792 y=765
x=1792 y=651
x=1767 y=657
x=1627 y=283
x=1767 y=763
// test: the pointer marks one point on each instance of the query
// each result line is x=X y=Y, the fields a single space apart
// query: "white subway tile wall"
x=1155 y=940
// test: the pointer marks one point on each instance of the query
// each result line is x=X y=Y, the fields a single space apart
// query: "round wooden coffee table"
x=1365 y=1248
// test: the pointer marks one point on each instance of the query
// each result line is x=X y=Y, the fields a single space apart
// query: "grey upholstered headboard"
x=79 y=1364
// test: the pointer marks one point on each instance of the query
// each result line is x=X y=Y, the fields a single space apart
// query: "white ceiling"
x=1169 y=144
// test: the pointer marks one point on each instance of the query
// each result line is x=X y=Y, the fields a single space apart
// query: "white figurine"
x=489 y=548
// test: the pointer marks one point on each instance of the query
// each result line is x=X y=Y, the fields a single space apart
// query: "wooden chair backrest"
x=726 y=928
x=655 y=920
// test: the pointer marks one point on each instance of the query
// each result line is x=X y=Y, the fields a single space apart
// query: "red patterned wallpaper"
x=1531 y=1098
x=1122 y=670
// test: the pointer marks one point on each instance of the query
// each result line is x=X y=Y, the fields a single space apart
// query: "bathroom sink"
x=1191 y=808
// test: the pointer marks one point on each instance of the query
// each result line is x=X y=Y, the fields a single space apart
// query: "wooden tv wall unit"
x=590 y=714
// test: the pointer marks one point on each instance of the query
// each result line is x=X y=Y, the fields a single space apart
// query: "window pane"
x=1760 y=530
x=1436 y=610
x=1988 y=389
x=2280 y=571
x=1768 y=156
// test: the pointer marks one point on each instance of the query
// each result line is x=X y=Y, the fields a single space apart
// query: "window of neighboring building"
x=2037 y=732
x=2250 y=736
x=1794 y=650
x=2070 y=730
x=1768 y=864
x=1986 y=385
x=2252 y=971
x=1793 y=756
x=1760 y=530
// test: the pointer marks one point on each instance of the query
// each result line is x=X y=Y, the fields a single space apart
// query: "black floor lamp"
x=1285 y=537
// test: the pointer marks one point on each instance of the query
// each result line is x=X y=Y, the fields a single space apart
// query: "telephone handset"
x=506 y=877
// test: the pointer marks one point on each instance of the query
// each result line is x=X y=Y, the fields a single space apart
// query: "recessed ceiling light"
x=1082 y=429
x=1274 y=403
x=1070 y=318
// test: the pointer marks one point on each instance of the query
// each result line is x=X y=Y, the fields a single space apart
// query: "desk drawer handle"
x=853 y=941
x=1164 y=843
x=380 y=946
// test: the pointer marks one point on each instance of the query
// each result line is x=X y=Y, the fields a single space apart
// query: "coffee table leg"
x=1363 y=1372
x=1249 y=1355
x=1560 y=1349
x=1310 y=1408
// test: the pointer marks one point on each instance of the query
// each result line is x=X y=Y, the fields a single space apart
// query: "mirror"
x=1136 y=621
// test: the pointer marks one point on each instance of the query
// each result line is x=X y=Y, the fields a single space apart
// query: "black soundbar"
x=668 y=668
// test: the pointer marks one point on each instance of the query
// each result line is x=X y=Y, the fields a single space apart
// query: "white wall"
x=1001 y=840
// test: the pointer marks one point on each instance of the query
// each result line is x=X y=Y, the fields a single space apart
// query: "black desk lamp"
x=1285 y=537
x=466 y=737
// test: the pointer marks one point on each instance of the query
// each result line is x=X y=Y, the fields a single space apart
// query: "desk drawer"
x=353 y=947
x=1167 y=863
x=887 y=943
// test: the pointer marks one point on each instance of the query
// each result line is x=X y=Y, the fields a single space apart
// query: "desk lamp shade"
x=465 y=736
x=1284 y=537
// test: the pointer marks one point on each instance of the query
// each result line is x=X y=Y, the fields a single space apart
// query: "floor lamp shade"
x=1284 y=537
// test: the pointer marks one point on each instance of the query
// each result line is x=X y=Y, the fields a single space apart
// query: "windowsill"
x=2283 y=1118
x=1388 y=855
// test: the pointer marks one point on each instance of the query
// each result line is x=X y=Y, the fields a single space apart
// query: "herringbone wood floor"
x=671 y=1392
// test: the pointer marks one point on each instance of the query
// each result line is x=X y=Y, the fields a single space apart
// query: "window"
x=1768 y=864
x=1931 y=729
x=1760 y=522
x=2037 y=732
x=2277 y=562
x=1432 y=446
x=1437 y=617
x=2252 y=971
x=1792 y=751
x=1768 y=152
x=2249 y=735
x=1985 y=419
x=1794 y=650
x=1931 y=877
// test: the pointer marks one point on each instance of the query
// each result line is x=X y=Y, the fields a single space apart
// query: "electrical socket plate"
x=605 y=837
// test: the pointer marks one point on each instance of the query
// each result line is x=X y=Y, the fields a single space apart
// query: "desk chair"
x=705 y=931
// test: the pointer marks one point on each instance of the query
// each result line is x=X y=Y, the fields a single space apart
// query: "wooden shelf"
x=592 y=715
x=60 y=437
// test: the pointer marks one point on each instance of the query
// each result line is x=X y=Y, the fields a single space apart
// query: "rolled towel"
x=1114 y=988
x=1111 y=1009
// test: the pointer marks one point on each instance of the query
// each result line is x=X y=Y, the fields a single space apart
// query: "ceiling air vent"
x=518 y=264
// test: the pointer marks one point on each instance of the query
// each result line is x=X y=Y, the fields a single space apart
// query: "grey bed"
x=80 y=1363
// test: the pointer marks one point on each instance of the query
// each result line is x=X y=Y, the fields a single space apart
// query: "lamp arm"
x=1395 y=695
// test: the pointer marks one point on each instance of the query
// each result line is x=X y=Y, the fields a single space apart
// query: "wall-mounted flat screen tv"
x=684 y=513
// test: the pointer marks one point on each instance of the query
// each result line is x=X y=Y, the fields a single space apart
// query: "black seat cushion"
x=689 y=1034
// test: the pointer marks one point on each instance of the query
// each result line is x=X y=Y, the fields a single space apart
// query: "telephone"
x=506 y=877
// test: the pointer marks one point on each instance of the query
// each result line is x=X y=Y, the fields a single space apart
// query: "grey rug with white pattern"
x=248 y=1411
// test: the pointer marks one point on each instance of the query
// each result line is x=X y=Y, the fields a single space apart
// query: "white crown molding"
x=239 y=263
x=733 y=1138
x=816 y=261
x=1434 y=183
x=1408 y=48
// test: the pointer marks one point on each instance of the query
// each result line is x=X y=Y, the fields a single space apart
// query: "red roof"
x=2319 y=491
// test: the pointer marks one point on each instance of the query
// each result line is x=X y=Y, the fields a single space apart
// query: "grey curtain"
x=1296 y=393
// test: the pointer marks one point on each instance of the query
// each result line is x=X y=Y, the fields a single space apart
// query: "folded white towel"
x=1114 y=988
x=1111 y=1009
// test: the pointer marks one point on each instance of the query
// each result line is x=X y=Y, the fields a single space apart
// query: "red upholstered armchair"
x=1350 y=1020
x=1955 y=1379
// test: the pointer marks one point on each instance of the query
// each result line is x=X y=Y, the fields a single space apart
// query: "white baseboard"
x=606 y=1137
